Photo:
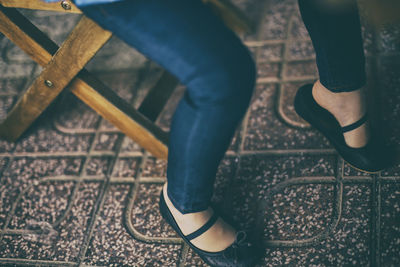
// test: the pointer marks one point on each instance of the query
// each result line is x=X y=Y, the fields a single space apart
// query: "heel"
x=300 y=106
x=163 y=207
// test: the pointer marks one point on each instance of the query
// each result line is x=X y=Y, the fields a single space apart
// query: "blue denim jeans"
x=187 y=39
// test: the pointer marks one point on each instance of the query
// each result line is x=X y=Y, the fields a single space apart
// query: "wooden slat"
x=29 y=38
x=81 y=45
x=158 y=96
x=85 y=86
x=40 y=5
x=109 y=105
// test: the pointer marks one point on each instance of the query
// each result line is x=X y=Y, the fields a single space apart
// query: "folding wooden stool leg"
x=82 y=44
x=84 y=86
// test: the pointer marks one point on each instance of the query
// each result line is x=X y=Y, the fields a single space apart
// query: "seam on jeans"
x=103 y=11
x=174 y=202
x=183 y=207
x=192 y=132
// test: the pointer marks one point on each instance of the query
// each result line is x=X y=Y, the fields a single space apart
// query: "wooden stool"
x=65 y=66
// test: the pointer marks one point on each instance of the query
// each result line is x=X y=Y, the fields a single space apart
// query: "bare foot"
x=220 y=236
x=347 y=107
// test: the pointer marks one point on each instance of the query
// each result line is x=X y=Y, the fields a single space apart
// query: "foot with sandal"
x=215 y=241
x=343 y=119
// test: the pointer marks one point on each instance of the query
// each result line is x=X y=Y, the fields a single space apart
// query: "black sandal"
x=241 y=253
x=369 y=158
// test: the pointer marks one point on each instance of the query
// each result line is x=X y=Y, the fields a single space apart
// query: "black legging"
x=336 y=35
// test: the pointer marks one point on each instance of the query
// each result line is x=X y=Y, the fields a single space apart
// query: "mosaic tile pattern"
x=74 y=191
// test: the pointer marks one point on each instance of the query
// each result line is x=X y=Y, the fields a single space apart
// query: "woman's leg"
x=190 y=42
x=336 y=35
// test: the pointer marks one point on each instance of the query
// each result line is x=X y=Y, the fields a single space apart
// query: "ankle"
x=217 y=238
x=325 y=95
x=345 y=106
x=189 y=221
x=358 y=137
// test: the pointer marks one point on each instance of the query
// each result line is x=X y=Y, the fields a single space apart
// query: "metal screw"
x=66 y=5
x=48 y=83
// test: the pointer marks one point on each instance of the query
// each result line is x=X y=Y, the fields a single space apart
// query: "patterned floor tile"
x=299 y=212
x=98 y=166
x=194 y=260
x=266 y=131
x=300 y=50
x=295 y=70
x=145 y=216
x=155 y=168
x=346 y=245
x=126 y=167
x=270 y=52
x=107 y=142
x=42 y=138
x=390 y=230
x=260 y=178
x=74 y=191
x=59 y=241
x=113 y=245
x=27 y=173
x=276 y=18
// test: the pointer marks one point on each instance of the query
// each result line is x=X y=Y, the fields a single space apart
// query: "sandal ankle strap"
x=204 y=228
x=356 y=124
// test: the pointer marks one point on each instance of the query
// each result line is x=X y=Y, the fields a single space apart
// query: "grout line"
x=184 y=255
x=374 y=224
x=378 y=221
x=29 y=262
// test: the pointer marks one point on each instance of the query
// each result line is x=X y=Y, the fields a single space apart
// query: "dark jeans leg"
x=336 y=35
x=187 y=39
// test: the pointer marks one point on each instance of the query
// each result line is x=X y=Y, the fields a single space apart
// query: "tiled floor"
x=74 y=191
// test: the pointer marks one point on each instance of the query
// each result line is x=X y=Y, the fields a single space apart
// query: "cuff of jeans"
x=350 y=87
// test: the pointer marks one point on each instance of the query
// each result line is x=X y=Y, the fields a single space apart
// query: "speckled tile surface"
x=49 y=233
x=268 y=130
x=74 y=191
x=390 y=230
x=114 y=244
